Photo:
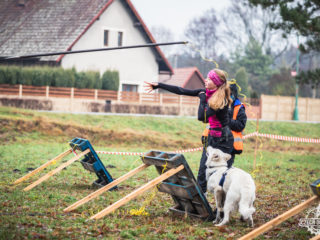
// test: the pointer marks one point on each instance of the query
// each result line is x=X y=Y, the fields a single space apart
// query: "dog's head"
x=215 y=157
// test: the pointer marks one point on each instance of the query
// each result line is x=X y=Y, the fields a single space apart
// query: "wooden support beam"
x=106 y=188
x=137 y=192
x=30 y=174
x=276 y=221
x=58 y=169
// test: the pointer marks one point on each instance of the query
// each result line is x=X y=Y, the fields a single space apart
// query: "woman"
x=213 y=109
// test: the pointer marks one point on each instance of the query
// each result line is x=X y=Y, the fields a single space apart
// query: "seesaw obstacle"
x=176 y=179
x=90 y=162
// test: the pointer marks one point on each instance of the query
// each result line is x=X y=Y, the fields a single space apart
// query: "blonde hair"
x=221 y=97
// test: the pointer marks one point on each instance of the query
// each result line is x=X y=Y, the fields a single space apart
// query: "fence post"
x=118 y=96
x=260 y=106
x=47 y=91
x=20 y=90
x=140 y=97
x=72 y=93
x=256 y=144
x=307 y=109
x=71 y=99
x=96 y=94
x=180 y=105
x=278 y=107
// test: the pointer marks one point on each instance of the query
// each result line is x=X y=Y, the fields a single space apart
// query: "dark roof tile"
x=44 y=26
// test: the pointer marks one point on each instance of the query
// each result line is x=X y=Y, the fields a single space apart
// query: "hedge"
x=58 y=77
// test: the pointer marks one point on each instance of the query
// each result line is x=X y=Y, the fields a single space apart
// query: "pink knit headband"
x=215 y=78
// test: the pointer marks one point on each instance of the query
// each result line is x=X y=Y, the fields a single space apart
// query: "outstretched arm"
x=174 y=89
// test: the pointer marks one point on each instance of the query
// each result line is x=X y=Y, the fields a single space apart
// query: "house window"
x=129 y=88
x=120 y=38
x=106 y=38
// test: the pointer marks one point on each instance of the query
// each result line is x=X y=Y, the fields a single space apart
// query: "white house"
x=37 y=26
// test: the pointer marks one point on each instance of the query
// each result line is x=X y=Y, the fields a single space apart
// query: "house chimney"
x=22 y=3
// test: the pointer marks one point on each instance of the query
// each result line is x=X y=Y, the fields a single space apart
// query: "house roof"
x=39 y=26
x=181 y=76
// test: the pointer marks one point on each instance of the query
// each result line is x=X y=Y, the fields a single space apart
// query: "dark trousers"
x=202 y=169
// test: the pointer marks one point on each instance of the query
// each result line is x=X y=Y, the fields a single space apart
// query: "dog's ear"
x=209 y=150
x=226 y=156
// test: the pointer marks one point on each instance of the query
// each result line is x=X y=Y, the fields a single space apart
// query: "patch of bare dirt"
x=11 y=128
x=280 y=146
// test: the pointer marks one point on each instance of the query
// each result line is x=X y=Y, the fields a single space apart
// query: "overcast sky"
x=175 y=14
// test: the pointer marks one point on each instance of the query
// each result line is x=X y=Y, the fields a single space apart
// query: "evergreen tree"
x=242 y=81
x=257 y=64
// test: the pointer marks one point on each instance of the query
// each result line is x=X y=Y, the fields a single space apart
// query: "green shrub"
x=91 y=79
x=2 y=75
x=58 y=77
x=27 y=76
x=242 y=81
x=110 y=80
x=80 y=80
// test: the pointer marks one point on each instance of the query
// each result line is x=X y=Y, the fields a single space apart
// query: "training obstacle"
x=91 y=162
x=176 y=179
x=39 y=169
x=105 y=188
x=293 y=211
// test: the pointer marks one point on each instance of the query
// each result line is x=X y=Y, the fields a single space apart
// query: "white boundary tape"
x=272 y=136
x=283 y=138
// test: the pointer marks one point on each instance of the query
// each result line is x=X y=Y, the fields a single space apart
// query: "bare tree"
x=240 y=23
x=161 y=35
x=202 y=33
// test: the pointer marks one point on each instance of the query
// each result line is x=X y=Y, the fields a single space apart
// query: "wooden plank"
x=106 y=188
x=57 y=158
x=315 y=237
x=137 y=192
x=276 y=221
x=58 y=169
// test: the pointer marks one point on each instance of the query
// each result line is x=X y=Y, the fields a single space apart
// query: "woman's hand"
x=149 y=87
x=201 y=92
x=202 y=96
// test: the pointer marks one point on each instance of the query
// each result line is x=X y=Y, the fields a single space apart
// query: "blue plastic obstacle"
x=92 y=162
x=315 y=186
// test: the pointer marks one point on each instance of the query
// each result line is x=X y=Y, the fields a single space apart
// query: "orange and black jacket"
x=239 y=123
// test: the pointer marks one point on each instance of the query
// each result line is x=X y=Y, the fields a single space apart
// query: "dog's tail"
x=246 y=208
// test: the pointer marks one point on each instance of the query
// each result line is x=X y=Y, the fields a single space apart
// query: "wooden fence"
x=282 y=108
x=96 y=94
x=46 y=92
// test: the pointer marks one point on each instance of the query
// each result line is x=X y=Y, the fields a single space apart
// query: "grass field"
x=29 y=139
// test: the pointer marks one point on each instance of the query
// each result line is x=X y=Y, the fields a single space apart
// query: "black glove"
x=230 y=113
x=202 y=96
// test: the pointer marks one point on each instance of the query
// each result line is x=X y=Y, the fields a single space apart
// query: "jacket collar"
x=237 y=102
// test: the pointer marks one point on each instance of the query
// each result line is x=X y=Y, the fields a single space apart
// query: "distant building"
x=38 y=26
x=189 y=78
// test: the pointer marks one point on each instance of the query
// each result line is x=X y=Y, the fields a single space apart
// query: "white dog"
x=237 y=191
